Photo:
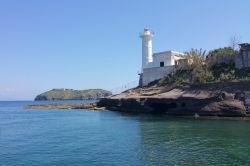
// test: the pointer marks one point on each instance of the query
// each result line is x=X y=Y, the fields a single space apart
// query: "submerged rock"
x=87 y=106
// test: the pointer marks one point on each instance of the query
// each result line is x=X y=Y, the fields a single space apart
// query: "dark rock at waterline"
x=223 y=99
x=85 y=106
x=184 y=106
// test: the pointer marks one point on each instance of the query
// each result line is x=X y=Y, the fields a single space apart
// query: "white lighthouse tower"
x=147 y=52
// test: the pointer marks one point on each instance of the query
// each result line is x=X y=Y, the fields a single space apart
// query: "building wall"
x=155 y=73
x=243 y=58
x=168 y=57
x=162 y=57
x=176 y=56
x=246 y=57
x=238 y=61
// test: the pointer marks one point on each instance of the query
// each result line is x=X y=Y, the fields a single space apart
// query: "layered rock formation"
x=219 y=99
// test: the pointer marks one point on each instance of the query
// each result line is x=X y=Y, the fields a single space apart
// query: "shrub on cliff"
x=196 y=70
x=243 y=73
x=195 y=59
x=228 y=71
x=204 y=76
x=223 y=71
x=176 y=77
x=220 y=55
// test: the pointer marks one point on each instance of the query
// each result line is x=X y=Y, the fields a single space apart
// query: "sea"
x=64 y=137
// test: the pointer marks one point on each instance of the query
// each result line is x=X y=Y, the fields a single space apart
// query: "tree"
x=195 y=58
x=220 y=55
x=234 y=42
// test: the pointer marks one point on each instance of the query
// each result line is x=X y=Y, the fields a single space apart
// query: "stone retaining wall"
x=155 y=73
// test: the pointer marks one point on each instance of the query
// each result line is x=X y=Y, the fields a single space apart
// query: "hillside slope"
x=70 y=94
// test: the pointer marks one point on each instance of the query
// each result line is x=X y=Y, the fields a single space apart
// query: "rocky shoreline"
x=213 y=100
x=179 y=107
x=217 y=100
x=85 y=106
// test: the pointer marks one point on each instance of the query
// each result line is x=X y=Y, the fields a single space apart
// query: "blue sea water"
x=38 y=137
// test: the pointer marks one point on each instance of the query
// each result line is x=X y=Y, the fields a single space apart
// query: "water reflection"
x=186 y=141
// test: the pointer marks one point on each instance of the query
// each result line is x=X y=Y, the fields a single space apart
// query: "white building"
x=157 y=65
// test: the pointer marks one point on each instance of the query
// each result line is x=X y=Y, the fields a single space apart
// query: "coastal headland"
x=216 y=99
x=214 y=85
x=227 y=99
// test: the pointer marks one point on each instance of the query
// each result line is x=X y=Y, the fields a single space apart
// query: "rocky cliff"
x=218 y=99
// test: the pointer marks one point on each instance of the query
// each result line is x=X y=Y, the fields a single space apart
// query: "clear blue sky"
x=82 y=44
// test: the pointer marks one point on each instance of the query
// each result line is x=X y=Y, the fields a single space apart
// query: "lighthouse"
x=147 y=52
x=156 y=66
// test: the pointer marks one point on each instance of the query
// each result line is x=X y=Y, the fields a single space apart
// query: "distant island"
x=70 y=94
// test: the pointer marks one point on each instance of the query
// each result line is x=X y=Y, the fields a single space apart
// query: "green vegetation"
x=218 y=66
x=195 y=59
x=228 y=51
x=177 y=77
x=226 y=55
x=203 y=76
x=70 y=94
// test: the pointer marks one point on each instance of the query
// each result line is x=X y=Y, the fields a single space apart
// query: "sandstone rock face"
x=223 y=99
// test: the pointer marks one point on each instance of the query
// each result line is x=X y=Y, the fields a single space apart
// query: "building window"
x=161 y=64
